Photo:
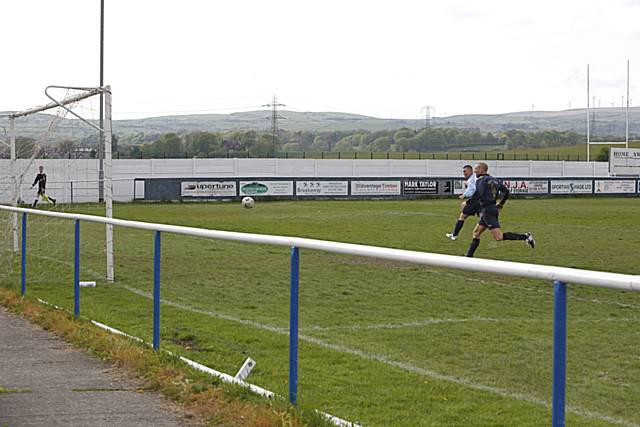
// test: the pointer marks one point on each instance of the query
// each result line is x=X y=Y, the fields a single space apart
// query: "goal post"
x=63 y=105
x=590 y=124
x=108 y=183
x=14 y=183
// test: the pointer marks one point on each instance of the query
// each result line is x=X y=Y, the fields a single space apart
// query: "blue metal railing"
x=293 y=326
x=559 y=353
x=559 y=275
x=76 y=271
x=156 y=292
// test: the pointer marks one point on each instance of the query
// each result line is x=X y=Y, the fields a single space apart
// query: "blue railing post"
x=559 y=353
x=293 y=326
x=156 y=293
x=23 y=273
x=76 y=271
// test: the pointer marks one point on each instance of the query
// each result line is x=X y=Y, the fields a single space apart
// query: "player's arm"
x=35 y=181
x=504 y=194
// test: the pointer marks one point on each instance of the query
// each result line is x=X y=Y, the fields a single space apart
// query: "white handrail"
x=531 y=271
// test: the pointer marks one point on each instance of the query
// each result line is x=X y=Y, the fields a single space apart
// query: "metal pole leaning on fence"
x=76 y=271
x=156 y=292
x=293 y=326
x=559 y=353
x=23 y=256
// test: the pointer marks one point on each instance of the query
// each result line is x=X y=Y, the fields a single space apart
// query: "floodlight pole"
x=12 y=139
x=626 y=138
x=588 y=124
x=101 y=141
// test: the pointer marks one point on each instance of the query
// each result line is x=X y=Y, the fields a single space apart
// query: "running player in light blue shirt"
x=470 y=206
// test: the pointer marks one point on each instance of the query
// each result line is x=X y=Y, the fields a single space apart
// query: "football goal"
x=43 y=149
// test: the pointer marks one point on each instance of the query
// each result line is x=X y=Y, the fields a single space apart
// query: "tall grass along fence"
x=559 y=276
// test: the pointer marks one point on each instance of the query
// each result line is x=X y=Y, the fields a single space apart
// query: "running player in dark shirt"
x=41 y=180
x=487 y=191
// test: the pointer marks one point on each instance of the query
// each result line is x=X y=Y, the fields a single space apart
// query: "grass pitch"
x=381 y=343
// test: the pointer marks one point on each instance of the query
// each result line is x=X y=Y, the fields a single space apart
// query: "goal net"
x=49 y=160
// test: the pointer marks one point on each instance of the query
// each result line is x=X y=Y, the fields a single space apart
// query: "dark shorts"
x=471 y=208
x=40 y=191
x=489 y=218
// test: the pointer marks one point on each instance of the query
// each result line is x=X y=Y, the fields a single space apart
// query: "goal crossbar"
x=89 y=92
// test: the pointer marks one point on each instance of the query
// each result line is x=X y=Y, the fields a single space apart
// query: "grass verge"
x=203 y=398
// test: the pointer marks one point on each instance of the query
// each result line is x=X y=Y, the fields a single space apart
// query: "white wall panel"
x=84 y=172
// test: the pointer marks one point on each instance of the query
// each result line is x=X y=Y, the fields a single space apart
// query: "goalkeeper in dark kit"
x=41 y=180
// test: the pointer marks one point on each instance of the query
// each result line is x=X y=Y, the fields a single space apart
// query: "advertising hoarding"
x=322 y=188
x=415 y=187
x=566 y=186
x=624 y=161
x=266 y=188
x=459 y=186
x=527 y=186
x=375 y=188
x=208 y=189
x=617 y=186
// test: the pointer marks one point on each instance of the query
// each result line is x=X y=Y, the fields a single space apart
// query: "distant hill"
x=608 y=121
x=605 y=121
x=259 y=120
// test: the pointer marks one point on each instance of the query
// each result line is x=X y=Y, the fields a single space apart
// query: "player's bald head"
x=482 y=168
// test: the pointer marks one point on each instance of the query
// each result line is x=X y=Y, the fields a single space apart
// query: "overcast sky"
x=379 y=58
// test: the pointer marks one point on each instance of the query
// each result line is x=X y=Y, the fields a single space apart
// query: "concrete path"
x=50 y=383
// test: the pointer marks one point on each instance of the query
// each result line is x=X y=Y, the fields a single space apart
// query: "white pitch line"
x=464 y=381
x=519 y=287
x=216 y=314
x=537 y=289
x=417 y=323
x=427 y=322
x=393 y=363
x=413 y=324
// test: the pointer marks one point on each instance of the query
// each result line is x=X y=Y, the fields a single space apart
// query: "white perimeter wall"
x=78 y=178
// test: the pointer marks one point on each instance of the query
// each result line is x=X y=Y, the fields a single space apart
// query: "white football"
x=248 y=202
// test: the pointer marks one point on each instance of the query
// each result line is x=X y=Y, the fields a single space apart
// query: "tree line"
x=262 y=143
